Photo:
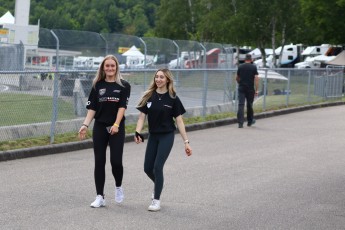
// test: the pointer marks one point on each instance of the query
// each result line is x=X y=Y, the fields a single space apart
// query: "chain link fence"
x=11 y=56
x=83 y=50
x=43 y=90
x=37 y=103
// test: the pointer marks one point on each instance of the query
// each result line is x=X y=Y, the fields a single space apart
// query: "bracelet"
x=186 y=141
x=85 y=125
x=116 y=125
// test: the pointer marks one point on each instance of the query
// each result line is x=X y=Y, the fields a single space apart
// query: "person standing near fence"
x=106 y=104
x=248 y=86
x=161 y=105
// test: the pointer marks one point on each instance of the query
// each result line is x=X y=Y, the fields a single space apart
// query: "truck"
x=212 y=60
x=318 y=56
x=178 y=63
x=309 y=55
x=290 y=55
x=83 y=62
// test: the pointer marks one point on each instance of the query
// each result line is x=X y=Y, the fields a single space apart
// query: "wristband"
x=139 y=135
x=186 y=141
x=116 y=125
x=85 y=125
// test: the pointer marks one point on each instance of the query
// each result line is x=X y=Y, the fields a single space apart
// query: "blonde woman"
x=107 y=103
x=162 y=107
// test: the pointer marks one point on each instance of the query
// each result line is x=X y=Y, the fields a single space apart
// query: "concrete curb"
x=86 y=144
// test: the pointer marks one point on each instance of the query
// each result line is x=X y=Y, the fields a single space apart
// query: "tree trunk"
x=274 y=61
x=282 y=44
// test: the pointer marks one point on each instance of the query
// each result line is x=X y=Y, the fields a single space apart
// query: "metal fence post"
x=145 y=53
x=55 y=92
x=106 y=44
x=236 y=98
x=265 y=91
x=288 y=91
x=309 y=80
x=177 y=63
x=204 y=93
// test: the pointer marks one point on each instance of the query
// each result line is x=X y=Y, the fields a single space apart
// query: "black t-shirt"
x=106 y=98
x=247 y=72
x=161 y=110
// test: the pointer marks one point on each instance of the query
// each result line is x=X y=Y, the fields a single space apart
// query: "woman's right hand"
x=188 y=149
x=82 y=132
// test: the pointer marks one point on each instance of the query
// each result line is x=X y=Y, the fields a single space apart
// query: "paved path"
x=286 y=172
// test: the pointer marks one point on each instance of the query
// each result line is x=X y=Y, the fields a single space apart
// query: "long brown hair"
x=101 y=74
x=170 y=85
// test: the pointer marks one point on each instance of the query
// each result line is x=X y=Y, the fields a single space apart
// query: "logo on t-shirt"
x=102 y=91
x=149 y=104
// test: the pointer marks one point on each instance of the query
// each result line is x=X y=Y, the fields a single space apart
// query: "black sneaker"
x=240 y=125
x=251 y=123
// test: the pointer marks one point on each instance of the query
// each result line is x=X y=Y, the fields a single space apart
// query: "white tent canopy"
x=338 y=60
x=7 y=18
x=271 y=75
x=133 y=52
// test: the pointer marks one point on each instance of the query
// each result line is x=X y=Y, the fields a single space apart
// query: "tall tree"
x=214 y=25
x=95 y=23
x=284 y=22
x=264 y=23
x=176 y=19
x=324 y=21
x=6 y=5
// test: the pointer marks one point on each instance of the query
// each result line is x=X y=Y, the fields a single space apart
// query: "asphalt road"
x=286 y=172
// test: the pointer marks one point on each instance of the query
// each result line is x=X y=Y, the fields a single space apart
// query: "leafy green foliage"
x=324 y=20
x=133 y=17
x=240 y=22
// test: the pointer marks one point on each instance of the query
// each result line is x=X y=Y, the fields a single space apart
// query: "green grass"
x=280 y=101
x=72 y=136
x=19 y=109
x=26 y=109
x=275 y=103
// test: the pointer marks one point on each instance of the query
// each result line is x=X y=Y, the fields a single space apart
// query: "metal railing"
x=37 y=103
x=74 y=50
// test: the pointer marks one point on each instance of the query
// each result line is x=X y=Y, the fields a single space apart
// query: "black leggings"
x=101 y=139
x=157 y=152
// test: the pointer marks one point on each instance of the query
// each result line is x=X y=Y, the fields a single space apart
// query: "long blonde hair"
x=101 y=74
x=170 y=85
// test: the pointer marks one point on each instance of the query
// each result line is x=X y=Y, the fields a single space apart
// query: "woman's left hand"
x=82 y=132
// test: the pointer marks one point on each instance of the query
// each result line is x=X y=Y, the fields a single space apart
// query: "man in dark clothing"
x=248 y=86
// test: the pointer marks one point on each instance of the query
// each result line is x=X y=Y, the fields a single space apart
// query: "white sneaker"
x=99 y=202
x=155 y=205
x=119 y=194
